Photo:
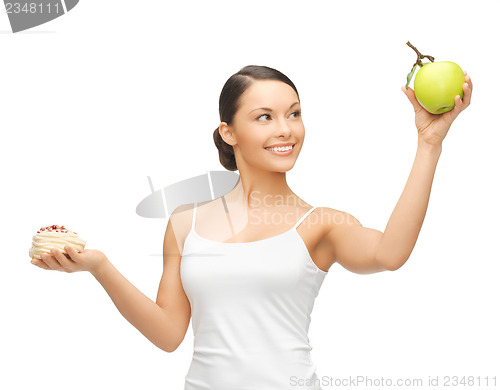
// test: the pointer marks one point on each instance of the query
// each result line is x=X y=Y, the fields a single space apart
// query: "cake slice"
x=54 y=237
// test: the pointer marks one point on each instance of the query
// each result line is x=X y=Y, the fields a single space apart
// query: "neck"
x=258 y=190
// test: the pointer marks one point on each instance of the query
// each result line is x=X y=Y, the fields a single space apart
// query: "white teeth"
x=281 y=149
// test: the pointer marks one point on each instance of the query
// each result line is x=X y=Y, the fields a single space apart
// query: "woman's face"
x=269 y=114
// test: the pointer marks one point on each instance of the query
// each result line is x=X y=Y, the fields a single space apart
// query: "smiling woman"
x=250 y=273
x=246 y=267
x=229 y=102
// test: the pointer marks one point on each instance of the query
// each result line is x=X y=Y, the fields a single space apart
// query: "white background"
x=96 y=100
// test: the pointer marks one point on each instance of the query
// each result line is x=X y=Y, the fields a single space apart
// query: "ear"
x=227 y=134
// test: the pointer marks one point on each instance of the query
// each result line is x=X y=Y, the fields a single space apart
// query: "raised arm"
x=403 y=228
x=364 y=250
x=350 y=244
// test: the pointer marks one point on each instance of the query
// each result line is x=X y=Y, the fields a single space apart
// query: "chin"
x=281 y=167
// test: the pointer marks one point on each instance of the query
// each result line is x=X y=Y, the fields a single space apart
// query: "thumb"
x=75 y=256
x=410 y=94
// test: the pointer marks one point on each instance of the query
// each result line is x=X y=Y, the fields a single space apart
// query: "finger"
x=459 y=106
x=39 y=263
x=67 y=264
x=468 y=80
x=410 y=94
x=466 y=76
x=51 y=261
x=72 y=253
x=467 y=87
x=459 y=102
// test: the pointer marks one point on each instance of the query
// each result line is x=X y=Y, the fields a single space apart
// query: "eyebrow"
x=268 y=109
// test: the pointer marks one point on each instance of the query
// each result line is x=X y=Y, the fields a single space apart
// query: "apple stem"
x=420 y=56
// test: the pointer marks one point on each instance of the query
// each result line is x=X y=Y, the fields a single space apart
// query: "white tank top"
x=251 y=305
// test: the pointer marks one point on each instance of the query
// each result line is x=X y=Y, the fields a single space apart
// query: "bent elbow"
x=392 y=268
x=391 y=265
x=395 y=265
x=170 y=349
x=173 y=346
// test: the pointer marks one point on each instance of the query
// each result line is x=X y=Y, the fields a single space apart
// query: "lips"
x=279 y=145
x=282 y=153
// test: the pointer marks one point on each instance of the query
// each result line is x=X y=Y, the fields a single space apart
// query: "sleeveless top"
x=251 y=305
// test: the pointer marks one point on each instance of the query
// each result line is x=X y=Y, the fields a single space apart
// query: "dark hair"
x=229 y=103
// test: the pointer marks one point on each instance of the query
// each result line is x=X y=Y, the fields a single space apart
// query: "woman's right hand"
x=87 y=260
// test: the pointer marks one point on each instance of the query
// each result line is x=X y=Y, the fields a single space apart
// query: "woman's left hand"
x=432 y=128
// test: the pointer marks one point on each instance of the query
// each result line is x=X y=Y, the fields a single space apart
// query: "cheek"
x=253 y=142
x=300 y=129
x=299 y=133
x=251 y=148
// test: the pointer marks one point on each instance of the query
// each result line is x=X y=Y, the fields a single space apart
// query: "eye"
x=262 y=116
x=297 y=114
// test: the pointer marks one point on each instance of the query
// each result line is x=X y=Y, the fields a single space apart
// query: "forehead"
x=268 y=93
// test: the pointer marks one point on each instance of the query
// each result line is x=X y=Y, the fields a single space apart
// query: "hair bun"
x=226 y=152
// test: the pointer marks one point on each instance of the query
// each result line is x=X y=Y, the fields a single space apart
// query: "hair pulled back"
x=229 y=103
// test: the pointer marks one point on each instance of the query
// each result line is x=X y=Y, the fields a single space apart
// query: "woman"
x=247 y=266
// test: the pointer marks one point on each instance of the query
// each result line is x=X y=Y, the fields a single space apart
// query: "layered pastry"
x=54 y=236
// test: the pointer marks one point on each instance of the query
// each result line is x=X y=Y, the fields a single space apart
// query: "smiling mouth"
x=281 y=149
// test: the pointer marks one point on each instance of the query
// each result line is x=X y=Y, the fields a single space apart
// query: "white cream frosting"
x=46 y=240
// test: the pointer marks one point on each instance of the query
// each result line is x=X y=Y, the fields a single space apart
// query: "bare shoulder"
x=332 y=218
x=332 y=223
x=331 y=211
x=347 y=242
x=317 y=233
x=178 y=227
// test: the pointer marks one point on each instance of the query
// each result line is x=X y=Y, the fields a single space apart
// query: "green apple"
x=436 y=85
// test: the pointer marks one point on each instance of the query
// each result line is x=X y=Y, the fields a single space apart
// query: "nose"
x=284 y=128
